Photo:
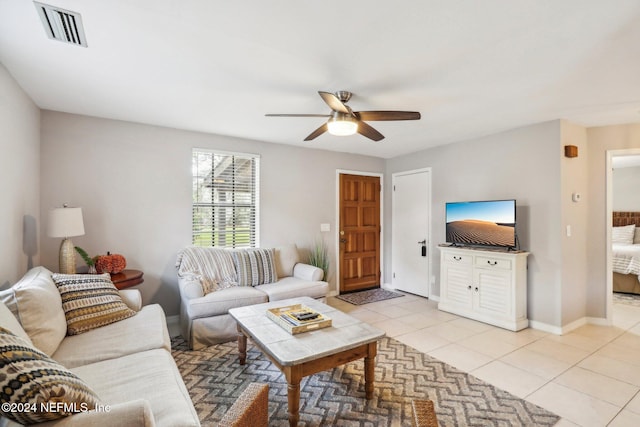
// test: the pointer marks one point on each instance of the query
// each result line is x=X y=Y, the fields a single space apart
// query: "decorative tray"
x=297 y=318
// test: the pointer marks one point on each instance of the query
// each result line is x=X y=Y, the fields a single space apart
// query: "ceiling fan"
x=344 y=121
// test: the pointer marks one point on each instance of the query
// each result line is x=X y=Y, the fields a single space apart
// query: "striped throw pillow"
x=90 y=301
x=255 y=266
x=32 y=381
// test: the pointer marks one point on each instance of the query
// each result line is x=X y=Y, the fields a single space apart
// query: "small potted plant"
x=319 y=257
x=91 y=262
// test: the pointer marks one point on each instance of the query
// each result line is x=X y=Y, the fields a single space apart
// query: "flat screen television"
x=482 y=223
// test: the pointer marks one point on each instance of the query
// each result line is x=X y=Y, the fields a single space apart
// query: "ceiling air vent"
x=62 y=25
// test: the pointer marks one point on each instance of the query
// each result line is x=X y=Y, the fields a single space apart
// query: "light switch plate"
x=325 y=227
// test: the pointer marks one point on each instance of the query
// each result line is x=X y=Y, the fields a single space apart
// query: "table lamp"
x=66 y=222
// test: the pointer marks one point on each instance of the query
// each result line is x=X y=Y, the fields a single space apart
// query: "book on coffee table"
x=297 y=318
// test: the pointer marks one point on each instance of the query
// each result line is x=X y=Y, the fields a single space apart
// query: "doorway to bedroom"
x=623 y=215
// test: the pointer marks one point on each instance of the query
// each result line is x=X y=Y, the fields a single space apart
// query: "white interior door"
x=411 y=216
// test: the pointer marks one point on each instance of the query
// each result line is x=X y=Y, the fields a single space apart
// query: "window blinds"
x=225 y=199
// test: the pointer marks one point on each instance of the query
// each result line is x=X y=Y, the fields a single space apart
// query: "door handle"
x=343 y=240
x=423 y=242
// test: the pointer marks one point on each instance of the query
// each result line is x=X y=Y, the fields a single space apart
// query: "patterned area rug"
x=215 y=380
x=372 y=295
x=627 y=299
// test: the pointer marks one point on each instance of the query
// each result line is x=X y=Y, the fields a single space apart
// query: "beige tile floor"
x=589 y=377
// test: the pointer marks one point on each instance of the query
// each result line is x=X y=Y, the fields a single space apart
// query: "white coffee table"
x=301 y=355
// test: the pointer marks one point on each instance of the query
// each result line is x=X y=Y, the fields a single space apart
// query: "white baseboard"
x=599 y=321
x=562 y=330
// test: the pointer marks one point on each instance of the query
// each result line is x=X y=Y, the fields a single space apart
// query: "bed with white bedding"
x=626 y=258
x=625 y=245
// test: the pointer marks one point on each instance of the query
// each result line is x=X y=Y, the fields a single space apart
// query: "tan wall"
x=574 y=172
x=20 y=181
x=134 y=184
x=522 y=163
x=626 y=186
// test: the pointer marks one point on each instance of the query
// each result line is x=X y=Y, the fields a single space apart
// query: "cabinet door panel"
x=457 y=290
x=494 y=292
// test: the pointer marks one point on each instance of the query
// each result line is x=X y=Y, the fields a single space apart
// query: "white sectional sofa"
x=128 y=364
x=204 y=316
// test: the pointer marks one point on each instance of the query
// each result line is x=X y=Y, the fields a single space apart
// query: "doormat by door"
x=372 y=295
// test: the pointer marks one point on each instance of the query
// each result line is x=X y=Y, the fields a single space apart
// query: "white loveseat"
x=128 y=364
x=204 y=316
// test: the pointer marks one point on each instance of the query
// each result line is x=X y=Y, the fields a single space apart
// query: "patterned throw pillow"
x=255 y=266
x=90 y=301
x=34 y=387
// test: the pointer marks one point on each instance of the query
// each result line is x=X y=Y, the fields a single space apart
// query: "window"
x=225 y=199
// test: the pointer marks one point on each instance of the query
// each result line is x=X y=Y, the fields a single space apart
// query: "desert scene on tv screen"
x=478 y=232
x=488 y=223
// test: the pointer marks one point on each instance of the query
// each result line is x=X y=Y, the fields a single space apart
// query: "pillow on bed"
x=623 y=234
x=636 y=236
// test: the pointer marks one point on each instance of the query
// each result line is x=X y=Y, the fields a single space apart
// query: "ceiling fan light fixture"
x=342 y=126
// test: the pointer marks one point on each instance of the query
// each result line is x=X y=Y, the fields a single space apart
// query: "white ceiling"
x=471 y=68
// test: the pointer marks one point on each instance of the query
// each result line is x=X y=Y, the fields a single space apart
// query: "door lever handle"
x=343 y=240
x=423 y=242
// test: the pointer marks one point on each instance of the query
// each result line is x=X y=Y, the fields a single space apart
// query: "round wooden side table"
x=127 y=278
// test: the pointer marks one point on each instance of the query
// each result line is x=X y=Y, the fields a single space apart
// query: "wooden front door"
x=359 y=232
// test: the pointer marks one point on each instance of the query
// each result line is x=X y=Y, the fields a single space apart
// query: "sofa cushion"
x=28 y=376
x=147 y=330
x=151 y=375
x=36 y=302
x=90 y=301
x=286 y=258
x=291 y=287
x=219 y=302
x=9 y=321
x=255 y=266
x=213 y=267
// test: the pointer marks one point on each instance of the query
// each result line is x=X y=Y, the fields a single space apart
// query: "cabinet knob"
x=476 y=289
x=469 y=287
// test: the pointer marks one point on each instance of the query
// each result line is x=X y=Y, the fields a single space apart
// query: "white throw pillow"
x=286 y=258
x=623 y=234
x=40 y=309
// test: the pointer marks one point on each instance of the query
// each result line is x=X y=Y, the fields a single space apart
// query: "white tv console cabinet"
x=485 y=285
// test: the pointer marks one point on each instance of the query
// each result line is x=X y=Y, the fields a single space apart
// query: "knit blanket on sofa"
x=212 y=267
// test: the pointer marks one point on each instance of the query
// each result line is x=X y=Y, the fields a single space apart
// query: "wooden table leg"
x=294 y=376
x=369 y=368
x=242 y=346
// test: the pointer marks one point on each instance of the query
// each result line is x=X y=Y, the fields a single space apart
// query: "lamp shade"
x=65 y=222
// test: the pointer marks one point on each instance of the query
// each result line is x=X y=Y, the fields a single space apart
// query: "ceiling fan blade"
x=387 y=115
x=298 y=115
x=333 y=102
x=316 y=133
x=366 y=130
